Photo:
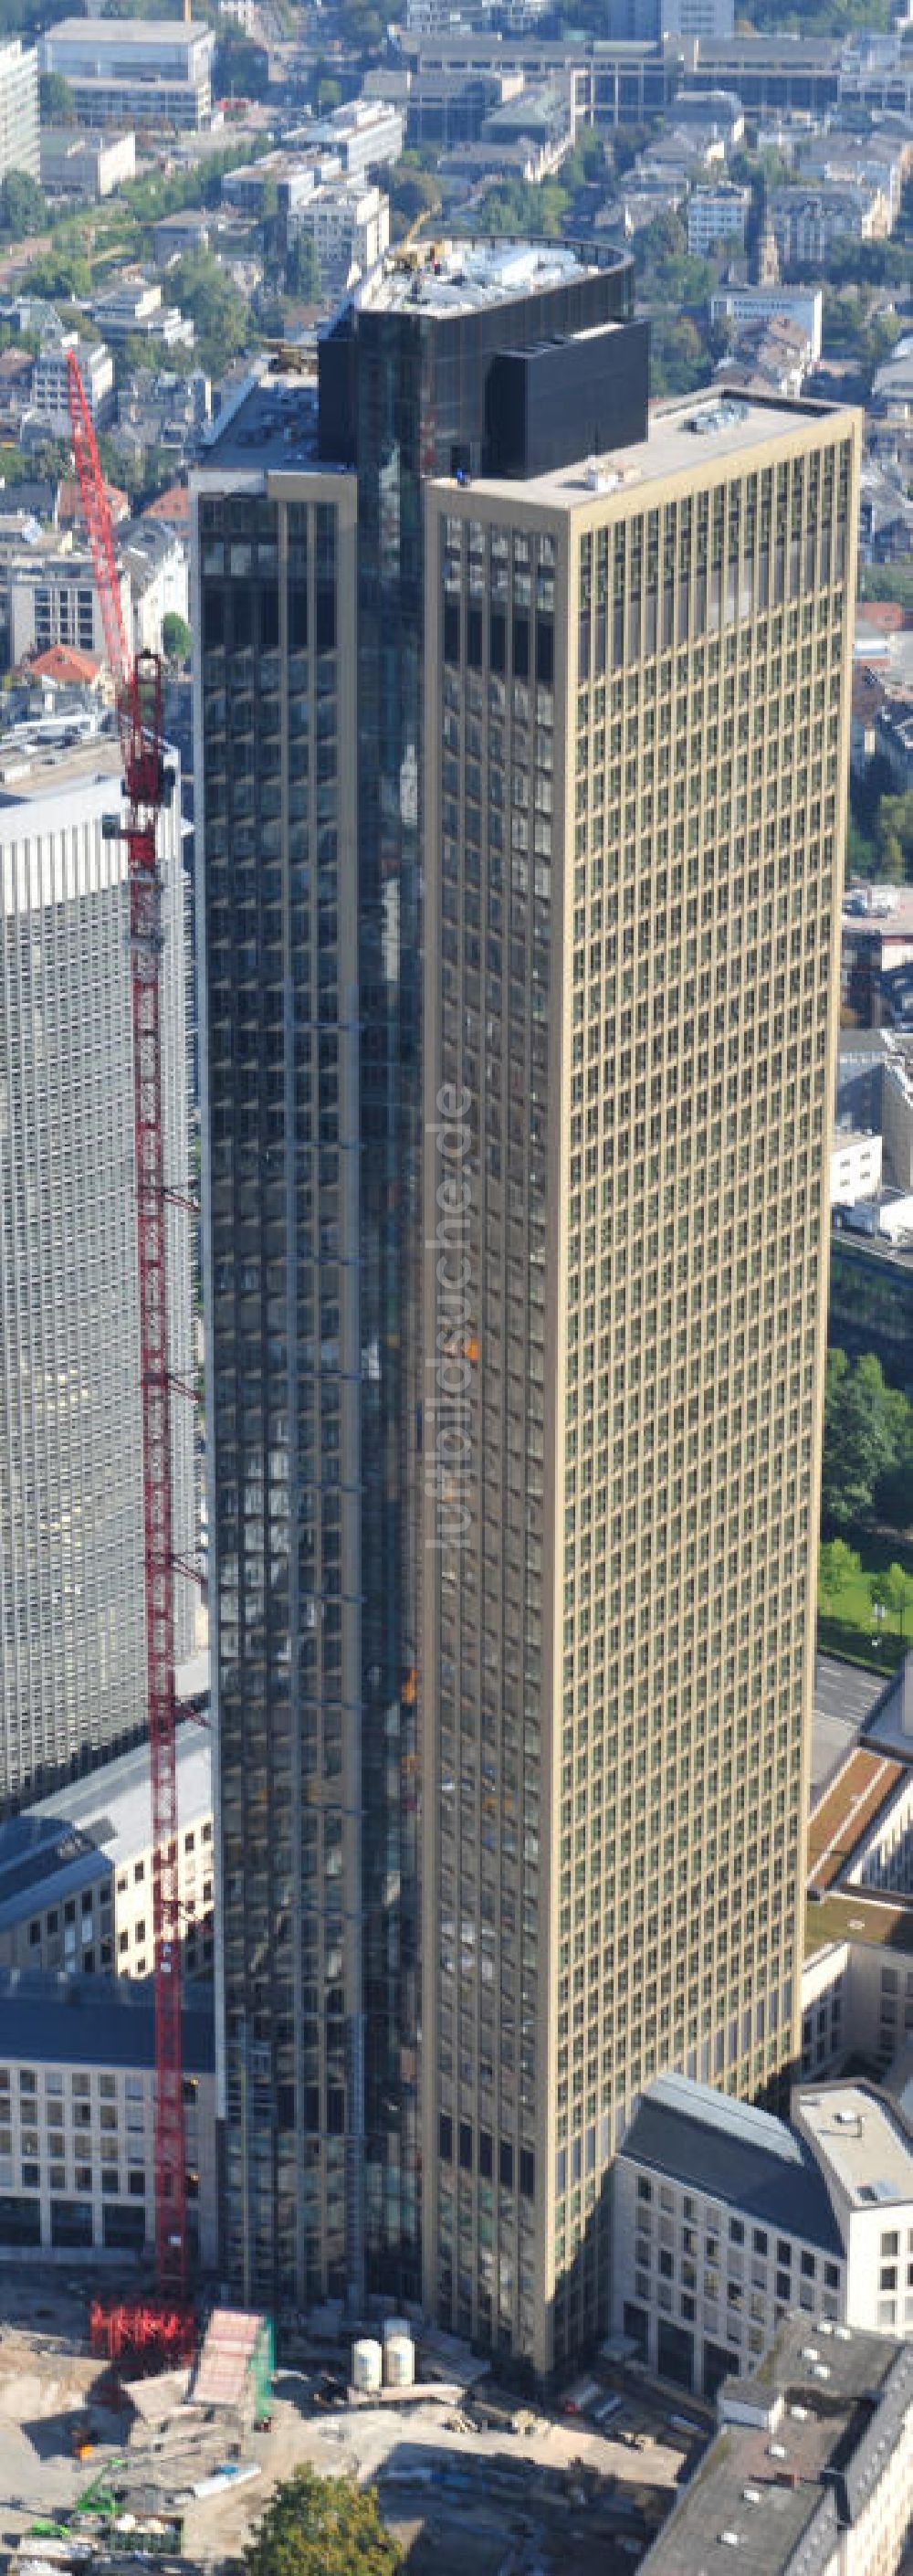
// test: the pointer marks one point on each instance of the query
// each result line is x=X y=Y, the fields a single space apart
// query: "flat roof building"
x=18 y=108
x=725 y=2220
x=76 y=1870
x=133 y=71
x=554 y=630
x=812 y=2468
x=77 y=2120
x=72 y=1593
x=613 y=1741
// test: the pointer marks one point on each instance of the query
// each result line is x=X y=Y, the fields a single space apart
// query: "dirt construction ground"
x=457 y=2495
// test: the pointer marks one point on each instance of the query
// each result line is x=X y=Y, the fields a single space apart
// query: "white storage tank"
x=367 y=2365
x=399 y=2360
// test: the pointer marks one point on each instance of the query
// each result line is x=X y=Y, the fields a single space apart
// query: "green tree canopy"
x=23 y=207
x=223 y=320
x=866 y=1440
x=176 y=637
x=322 y=2527
x=59 y=274
x=839 y=1566
x=56 y=100
x=302 y=268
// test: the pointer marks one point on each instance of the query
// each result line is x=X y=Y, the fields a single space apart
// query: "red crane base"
x=142 y=2334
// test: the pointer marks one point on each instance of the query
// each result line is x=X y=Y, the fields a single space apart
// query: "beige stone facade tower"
x=637 y=732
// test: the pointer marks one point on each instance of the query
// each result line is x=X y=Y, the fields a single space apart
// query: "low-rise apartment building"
x=716 y=215
x=77 y=2119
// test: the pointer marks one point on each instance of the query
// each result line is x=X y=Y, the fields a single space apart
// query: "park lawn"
x=846 y=1621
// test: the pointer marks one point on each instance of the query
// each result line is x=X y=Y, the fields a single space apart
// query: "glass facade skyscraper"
x=522 y=750
x=310 y=570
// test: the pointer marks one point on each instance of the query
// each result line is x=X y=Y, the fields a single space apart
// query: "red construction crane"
x=147 y=786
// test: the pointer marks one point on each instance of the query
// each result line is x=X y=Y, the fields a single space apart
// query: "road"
x=843 y=1697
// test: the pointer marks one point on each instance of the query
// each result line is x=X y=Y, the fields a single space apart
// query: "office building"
x=72 y=1602
x=648 y=21
x=362 y=135
x=76 y=1870
x=50 y=382
x=77 y=2120
x=636 y=730
x=615 y=724
x=150 y=72
x=810 y=2472
x=85 y=166
x=349 y=225
x=18 y=109
x=716 y=215
x=310 y=617
x=49 y=598
x=726 y=2221
x=764 y=304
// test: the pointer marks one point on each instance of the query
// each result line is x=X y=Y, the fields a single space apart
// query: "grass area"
x=847 y=1620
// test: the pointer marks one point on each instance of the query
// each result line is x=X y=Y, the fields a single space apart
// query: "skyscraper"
x=636 y=731
x=72 y=1614
x=516 y=1046
x=310 y=570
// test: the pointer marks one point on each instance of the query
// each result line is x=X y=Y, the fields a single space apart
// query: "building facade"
x=310 y=571
x=85 y=165
x=50 y=382
x=50 y=599
x=613 y=1623
x=716 y=215
x=726 y=2222
x=18 y=109
x=127 y=71
x=637 y=718
x=72 y=1604
x=350 y=228
x=77 y=1899
x=77 y=2121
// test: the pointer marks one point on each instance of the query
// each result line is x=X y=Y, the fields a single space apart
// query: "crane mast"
x=138 y=683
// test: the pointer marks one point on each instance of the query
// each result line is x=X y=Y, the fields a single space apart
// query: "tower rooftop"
x=446 y=278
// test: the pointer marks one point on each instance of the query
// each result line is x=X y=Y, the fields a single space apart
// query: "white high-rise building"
x=72 y=1617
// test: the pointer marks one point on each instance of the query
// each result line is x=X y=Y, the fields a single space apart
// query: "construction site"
x=101 y=2469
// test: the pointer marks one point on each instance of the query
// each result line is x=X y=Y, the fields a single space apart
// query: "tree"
x=862 y=1434
x=56 y=100
x=176 y=637
x=838 y=1567
x=23 y=208
x=322 y=2527
x=59 y=274
x=892 y=1593
x=302 y=268
x=894 y=837
x=223 y=319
